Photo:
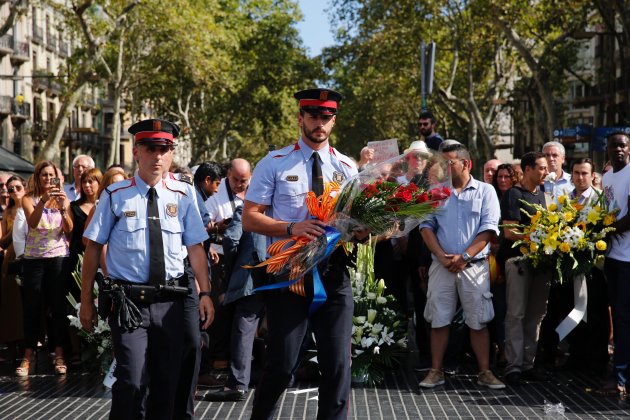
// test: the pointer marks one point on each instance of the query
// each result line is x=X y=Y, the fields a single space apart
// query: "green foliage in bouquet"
x=382 y=205
x=98 y=350
x=378 y=330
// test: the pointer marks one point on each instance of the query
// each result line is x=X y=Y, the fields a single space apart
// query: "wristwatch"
x=202 y=294
x=466 y=257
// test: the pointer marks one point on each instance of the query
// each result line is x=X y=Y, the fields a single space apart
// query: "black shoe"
x=212 y=380
x=536 y=375
x=234 y=395
x=514 y=379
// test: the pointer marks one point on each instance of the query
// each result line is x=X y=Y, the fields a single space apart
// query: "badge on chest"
x=171 y=209
x=338 y=177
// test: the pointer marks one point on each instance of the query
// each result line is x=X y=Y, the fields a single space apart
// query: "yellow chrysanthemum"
x=565 y=247
x=609 y=219
x=523 y=250
x=552 y=207
x=563 y=199
x=568 y=216
x=600 y=245
x=581 y=243
x=553 y=218
x=533 y=247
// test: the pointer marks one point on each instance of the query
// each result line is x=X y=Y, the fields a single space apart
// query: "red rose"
x=412 y=187
x=421 y=198
x=440 y=193
x=405 y=196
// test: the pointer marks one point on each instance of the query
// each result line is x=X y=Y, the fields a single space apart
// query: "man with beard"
x=527 y=289
x=617 y=264
x=275 y=207
x=426 y=125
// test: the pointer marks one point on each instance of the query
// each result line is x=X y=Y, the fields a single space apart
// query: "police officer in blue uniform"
x=274 y=206
x=146 y=221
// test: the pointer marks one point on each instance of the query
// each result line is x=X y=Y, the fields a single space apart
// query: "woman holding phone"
x=49 y=224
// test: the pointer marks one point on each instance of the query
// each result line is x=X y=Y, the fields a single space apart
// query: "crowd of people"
x=204 y=321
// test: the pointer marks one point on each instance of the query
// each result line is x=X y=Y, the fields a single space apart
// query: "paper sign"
x=384 y=149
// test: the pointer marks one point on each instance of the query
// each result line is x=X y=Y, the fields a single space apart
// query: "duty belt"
x=119 y=298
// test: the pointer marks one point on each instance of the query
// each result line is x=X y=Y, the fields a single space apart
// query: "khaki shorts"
x=471 y=286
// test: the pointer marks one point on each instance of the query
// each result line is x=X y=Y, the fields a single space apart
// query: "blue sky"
x=315 y=28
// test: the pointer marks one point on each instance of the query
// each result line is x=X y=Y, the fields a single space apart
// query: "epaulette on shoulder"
x=341 y=157
x=182 y=177
x=120 y=185
x=174 y=189
x=285 y=151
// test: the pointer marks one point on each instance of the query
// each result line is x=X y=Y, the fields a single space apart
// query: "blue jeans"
x=618 y=277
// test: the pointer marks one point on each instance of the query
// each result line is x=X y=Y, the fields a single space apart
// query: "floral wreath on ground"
x=379 y=329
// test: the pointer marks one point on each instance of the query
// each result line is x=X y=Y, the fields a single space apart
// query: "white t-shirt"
x=616 y=191
x=219 y=205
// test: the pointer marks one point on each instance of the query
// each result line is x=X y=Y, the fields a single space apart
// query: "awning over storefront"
x=11 y=162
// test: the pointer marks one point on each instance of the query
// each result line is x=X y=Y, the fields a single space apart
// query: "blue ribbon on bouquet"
x=319 y=293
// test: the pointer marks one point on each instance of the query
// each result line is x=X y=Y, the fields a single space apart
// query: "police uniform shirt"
x=282 y=179
x=120 y=220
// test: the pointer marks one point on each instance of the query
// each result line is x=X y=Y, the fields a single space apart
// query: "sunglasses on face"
x=15 y=188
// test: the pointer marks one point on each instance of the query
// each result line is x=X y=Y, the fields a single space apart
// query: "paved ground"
x=81 y=396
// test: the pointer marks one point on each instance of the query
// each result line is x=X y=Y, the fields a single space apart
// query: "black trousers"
x=287 y=317
x=44 y=286
x=148 y=361
x=191 y=353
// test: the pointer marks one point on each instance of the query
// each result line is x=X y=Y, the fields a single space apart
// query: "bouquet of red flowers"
x=386 y=207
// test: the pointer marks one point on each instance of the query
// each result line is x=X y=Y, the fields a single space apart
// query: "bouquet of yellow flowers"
x=567 y=236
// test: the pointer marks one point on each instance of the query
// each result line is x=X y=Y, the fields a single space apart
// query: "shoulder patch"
x=185 y=178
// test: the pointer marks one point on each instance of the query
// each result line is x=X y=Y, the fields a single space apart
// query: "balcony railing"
x=51 y=41
x=5 y=105
x=22 y=110
x=21 y=52
x=55 y=86
x=41 y=80
x=64 y=49
x=38 y=34
x=6 y=44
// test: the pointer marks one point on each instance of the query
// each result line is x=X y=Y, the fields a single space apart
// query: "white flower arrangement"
x=99 y=341
x=378 y=330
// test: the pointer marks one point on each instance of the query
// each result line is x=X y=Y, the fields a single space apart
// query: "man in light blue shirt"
x=458 y=236
x=274 y=206
x=146 y=221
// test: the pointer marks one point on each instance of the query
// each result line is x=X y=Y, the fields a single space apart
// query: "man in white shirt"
x=617 y=265
x=555 y=154
x=231 y=193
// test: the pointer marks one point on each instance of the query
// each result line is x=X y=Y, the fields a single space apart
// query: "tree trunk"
x=50 y=149
x=114 y=147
